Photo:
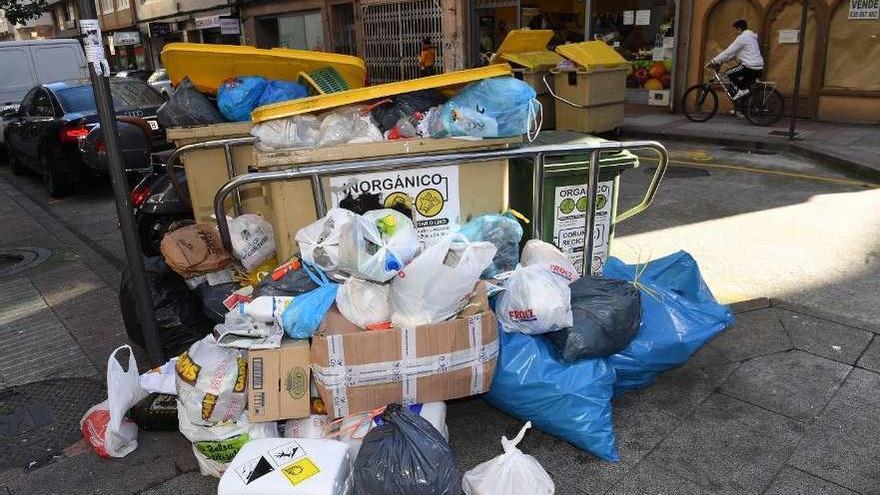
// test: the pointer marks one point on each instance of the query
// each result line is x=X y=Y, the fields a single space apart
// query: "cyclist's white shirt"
x=745 y=48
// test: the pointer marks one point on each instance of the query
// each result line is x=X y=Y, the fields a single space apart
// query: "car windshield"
x=159 y=75
x=127 y=95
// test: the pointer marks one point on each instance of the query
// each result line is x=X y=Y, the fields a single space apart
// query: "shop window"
x=303 y=31
x=780 y=61
x=719 y=21
x=853 y=51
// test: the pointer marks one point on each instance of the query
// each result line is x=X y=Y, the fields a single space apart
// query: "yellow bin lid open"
x=528 y=48
x=209 y=65
x=448 y=81
x=592 y=54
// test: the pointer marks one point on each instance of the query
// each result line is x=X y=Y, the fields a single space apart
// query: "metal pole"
x=537 y=195
x=230 y=172
x=797 y=71
x=99 y=73
x=590 y=220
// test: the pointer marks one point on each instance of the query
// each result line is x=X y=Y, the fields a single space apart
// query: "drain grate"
x=16 y=260
x=38 y=420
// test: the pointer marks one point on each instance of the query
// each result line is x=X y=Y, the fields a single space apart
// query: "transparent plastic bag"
x=547 y=255
x=319 y=241
x=376 y=245
x=511 y=103
x=348 y=125
x=437 y=283
x=299 y=131
x=504 y=231
x=364 y=303
x=511 y=473
x=535 y=301
x=253 y=239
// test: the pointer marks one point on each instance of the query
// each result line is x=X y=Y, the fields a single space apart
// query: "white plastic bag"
x=511 y=473
x=436 y=284
x=243 y=332
x=105 y=426
x=348 y=125
x=534 y=301
x=364 y=303
x=288 y=466
x=253 y=239
x=214 y=450
x=537 y=252
x=160 y=379
x=311 y=427
x=299 y=131
x=319 y=241
x=377 y=244
x=211 y=383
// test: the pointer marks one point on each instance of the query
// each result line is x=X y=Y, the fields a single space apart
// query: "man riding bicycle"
x=745 y=49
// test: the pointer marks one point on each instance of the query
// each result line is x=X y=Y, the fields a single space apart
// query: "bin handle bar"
x=217 y=143
x=653 y=186
x=315 y=172
x=554 y=95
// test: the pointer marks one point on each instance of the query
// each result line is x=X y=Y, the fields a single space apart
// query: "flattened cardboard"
x=278 y=382
x=382 y=346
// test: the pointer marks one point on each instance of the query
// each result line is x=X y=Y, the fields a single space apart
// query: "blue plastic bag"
x=507 y=100
x=302 y=317
x=679 y=315
x=237 y=97
x=569 y=400
x=278 y=90
x=502 y=230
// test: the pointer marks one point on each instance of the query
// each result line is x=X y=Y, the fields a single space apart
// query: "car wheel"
x=56 y=179
x=152 y=228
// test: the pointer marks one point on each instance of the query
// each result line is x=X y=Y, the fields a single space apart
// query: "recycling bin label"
x=569 y=213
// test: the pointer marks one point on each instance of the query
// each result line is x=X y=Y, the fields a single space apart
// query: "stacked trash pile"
x=297 y=387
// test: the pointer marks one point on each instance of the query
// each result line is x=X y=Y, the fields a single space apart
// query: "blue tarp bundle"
x=573 y=400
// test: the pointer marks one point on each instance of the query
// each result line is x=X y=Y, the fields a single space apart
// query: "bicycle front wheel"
x=765 y=107
x=699 y=103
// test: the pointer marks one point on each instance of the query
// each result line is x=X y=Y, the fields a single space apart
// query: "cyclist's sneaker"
x=739 y=94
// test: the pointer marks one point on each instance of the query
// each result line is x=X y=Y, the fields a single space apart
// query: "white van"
x=30 y=63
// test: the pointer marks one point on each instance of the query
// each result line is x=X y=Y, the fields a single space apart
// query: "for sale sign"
x=864 y=9
x=431 y=193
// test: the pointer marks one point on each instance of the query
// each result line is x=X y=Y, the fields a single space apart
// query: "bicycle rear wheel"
x=700 y=102
x=765 y=107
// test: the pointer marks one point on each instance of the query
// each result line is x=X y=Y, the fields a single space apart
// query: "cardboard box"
x=278 y=382
x=359 y=370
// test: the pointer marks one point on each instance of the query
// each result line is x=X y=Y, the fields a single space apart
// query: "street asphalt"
x=784 y=402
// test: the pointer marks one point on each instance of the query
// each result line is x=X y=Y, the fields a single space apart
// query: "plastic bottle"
x=265 y=308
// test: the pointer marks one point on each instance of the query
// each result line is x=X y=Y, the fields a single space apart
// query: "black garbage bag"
x=405 y=455
x=404 y=106
x=606 y=315
x=293 y=283
x=178 y=310
x=212 y=297
x=187 y=107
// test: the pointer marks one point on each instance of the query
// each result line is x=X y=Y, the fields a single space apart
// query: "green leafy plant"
x=21 y=11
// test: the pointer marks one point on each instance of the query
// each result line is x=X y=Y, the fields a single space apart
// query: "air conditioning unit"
x=69 y=24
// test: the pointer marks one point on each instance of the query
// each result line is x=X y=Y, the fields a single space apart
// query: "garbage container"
x=526 y=51
x=590 y=99
x=564 y=196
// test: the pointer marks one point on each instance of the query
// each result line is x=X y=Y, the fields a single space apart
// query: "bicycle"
x=762 y=107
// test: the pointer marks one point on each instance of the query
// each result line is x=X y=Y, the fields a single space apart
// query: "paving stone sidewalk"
x=784 y=402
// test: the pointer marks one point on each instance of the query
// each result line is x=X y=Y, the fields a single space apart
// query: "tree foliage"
x=21 y=11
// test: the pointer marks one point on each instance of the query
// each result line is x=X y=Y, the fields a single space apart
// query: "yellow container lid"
x=592 y=54
x=528 y=48
x=317 y=103
x=209 y=65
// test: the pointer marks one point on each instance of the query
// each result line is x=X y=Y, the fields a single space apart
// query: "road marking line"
x=794 y=175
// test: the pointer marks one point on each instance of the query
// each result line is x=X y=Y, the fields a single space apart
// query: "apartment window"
x=71 y=11
x=60 y=17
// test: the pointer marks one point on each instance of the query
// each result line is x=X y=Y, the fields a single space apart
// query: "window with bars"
x=392 y=38
x=342 y=19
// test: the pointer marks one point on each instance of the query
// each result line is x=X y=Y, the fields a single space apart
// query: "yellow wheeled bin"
x=591 y=98
x=526 y=50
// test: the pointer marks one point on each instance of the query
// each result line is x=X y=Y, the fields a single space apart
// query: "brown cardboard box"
x=359 y=370
x=278 y=382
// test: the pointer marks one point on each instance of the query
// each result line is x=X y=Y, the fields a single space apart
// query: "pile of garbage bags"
x=568 y=344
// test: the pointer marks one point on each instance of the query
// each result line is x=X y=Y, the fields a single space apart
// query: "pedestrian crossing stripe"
x=300 y=471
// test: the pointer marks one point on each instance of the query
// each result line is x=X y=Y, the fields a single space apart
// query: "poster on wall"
x=789 y=36
x=643 y=18
x=864 y=9
x=629 y=17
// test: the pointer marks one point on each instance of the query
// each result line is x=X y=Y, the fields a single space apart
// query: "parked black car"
x=46 y=132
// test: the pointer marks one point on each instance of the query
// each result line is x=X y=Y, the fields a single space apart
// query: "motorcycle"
x=156 y=203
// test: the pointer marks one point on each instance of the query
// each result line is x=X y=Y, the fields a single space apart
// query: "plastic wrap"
x=299 y=131
x=348 y=125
